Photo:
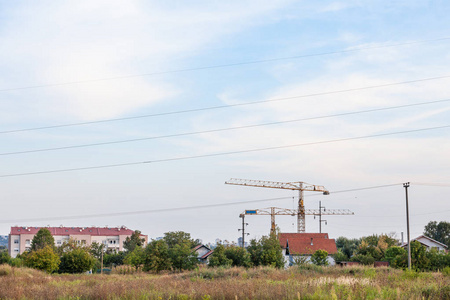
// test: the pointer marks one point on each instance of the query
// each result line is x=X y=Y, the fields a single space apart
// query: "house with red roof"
x=203 y=253
x=295 y=245
x=112 y=237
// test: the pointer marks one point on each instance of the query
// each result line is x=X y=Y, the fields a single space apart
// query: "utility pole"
x=320 y=216
x=406 y=186
x=243 y=229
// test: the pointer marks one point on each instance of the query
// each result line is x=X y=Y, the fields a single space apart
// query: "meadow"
x=304 y=282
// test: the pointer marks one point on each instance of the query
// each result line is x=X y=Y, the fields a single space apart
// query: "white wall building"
x=112 y=237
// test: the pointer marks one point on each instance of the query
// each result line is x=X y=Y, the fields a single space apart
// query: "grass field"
x=308 y=282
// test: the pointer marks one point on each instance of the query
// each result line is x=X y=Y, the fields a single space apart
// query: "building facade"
x=303 y=245
x=112 y=237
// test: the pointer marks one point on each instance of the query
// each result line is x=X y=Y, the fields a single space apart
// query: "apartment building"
x=112 y=237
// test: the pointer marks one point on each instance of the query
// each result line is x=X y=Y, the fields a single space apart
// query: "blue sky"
x=175 y=50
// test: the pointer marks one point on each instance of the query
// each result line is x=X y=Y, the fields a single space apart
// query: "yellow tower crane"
x=276 y=211
x=297 y=186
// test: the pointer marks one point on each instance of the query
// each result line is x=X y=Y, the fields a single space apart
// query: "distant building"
x=240 y=242
x=295 y=245
x=203 y=253
x=112 y=237
x=429 y=243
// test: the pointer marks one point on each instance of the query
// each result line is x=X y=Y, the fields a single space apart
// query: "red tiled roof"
x=207 y=254
x=95 y=231
x=307 y=243
x=283 y=237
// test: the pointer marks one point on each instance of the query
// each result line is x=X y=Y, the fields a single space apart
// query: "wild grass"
x=228 y=283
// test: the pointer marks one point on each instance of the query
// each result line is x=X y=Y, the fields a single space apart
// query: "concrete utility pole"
x=320 y=216
x=406 y=186
x=243 y=229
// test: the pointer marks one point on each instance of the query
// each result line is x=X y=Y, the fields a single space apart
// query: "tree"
x=419 y=259
x=78 y=260
x=134 y=241
x=44 y=259
x=397 y=257
x=320 y=258
x=347 y=246
x=438 y=231
x=238 y=255
x=42 y=238
x=266 y=251
x=156 y=257
x=115 y=259
x=179 y=237
x=218 y=258
x=183 y=256
x=4 y=257
x=340 y=256
x=135 y=258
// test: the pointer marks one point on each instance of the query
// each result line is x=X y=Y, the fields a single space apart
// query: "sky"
x=110 y=107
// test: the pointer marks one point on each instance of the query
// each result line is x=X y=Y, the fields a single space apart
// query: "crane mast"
x=298 y=186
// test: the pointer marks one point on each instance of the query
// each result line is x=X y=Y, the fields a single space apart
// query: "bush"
x=43 y=259
x=363 y=259
x=320 y=258
x=78 y=260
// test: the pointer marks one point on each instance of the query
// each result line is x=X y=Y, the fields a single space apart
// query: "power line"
x=222 y=65
x=115 y=214
x=220 y=129
x=139 y=212
x=226 y=106
x=221 y=153
x=431 y=184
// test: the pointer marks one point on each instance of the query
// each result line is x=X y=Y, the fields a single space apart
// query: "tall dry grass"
x=308 y=282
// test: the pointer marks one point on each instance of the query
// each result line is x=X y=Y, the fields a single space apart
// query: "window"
x=16 y=241
x=16 y=249
x=83 y=242
x=58 y=242
x=27 y=242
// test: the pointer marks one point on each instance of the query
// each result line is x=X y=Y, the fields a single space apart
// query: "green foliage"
x=179 y=237
x=16 y=262
x=135 y=258
x=78 y=260
x=114 y=259
x=134 y=241
x=42 y=239
x=438 y=231
x=44 y=259
x=96 y=250
x=183 y=256
x=4 y=257
x=340 y=256
x=365 y=259
x=397 y=257
x=419 y=259
x=375 y=246
x=320 y=258
x=347 y=246
x=156 y=257
x=266 y=252
x=218 y=258
x=238 y=255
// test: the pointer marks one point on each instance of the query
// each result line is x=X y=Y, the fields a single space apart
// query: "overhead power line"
x=139 y=212
x=432 y=184
x=227 y=106
x=223 y=65
x=220 y=129
x=223 y=153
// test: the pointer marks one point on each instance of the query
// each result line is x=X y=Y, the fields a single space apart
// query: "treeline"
x=373 y=248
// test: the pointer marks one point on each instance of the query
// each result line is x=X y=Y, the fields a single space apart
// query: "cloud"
x=49 y=43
